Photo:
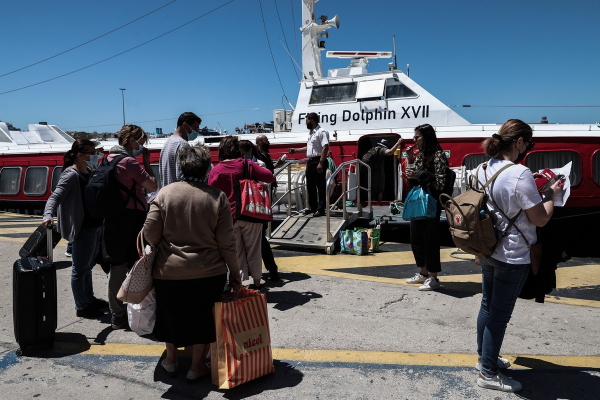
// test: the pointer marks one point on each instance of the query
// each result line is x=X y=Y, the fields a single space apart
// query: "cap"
x=382 y=143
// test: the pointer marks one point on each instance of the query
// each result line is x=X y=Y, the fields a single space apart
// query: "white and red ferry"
x=359 y=109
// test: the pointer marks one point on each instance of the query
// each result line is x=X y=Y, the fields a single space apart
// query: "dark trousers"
x=425 y=243
x=315 y=182
x=267 y=253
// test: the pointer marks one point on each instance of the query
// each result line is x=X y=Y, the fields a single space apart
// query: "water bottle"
x=482 y=214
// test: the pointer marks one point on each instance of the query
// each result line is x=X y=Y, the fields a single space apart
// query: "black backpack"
x=103 y=192
x=449 y=182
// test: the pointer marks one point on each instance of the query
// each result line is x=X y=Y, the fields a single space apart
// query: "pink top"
x=225 y=173
x=127 y=171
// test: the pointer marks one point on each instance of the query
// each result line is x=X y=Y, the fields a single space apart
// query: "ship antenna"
x=395 y=62
x=292 y=60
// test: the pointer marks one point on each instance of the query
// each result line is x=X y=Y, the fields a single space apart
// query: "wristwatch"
x=321 y=162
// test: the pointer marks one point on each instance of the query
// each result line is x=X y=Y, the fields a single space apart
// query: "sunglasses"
x=415 y=138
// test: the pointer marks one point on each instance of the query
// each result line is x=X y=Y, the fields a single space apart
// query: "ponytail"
x=508 y=133
x=79 y=146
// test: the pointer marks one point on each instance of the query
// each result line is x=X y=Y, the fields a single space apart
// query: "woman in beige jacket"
x=190 y=222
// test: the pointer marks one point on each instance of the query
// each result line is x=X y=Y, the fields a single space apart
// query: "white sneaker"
x=67 y=254
x=430 y=284
x=503 y=363
x=499 y=382
x=418 y=278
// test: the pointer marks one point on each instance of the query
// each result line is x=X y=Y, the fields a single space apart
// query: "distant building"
x=257 y=128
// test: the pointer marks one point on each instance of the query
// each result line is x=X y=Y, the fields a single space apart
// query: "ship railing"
x=345 y=191
x=287 y=166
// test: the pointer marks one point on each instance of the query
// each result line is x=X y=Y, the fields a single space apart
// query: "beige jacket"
x=191 y=224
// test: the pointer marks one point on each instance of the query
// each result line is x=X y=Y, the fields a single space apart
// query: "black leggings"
x=425 y=243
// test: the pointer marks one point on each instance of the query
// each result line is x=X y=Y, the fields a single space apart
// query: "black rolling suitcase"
x=37 y=243
x=34 y=300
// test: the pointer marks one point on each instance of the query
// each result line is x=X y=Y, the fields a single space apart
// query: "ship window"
x=55 y=177
x=370 y=90
x=394 y=89
x=555 y=159
x=156 y=174
x=333 y=93
x=472 y=161
x=36 y=181
x=596 y=167
x=10 y=180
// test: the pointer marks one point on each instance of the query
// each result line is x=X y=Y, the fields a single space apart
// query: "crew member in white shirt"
x=316 y=150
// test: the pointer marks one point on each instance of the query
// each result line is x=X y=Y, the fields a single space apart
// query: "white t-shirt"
x=318 y=138
x=513 y=190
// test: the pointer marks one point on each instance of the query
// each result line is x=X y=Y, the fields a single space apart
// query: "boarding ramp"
x=306 y=231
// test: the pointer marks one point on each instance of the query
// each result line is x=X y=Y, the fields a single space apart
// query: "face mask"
x=93 y=162
x=265 y=147
x=309 y=125
x=138 y=151
x=193 y=135
x=520 y=157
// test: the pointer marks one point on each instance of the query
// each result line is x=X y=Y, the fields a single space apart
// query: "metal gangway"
x=306 y=231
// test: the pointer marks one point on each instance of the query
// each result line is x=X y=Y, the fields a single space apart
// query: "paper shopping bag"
x=242 y=351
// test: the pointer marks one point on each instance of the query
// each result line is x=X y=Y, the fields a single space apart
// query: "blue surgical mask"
x=138 y=151
x=93 y=162
x=193 y=135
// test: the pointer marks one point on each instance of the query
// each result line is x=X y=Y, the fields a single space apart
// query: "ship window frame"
x=45 y=181
x=385 y=93
x=54 y=184
x=596 y=167
x=574 y=166
x=18 y=181
x=317 y=87
x=487 y=158
x=373 y=89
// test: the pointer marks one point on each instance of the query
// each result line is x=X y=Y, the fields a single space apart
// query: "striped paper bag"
x=243 y=348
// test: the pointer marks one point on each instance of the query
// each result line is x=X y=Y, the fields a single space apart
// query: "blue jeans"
x=85 y=247
x=501 y=284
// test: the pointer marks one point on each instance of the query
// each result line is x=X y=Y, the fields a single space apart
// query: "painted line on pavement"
x=326 y=265
x=343 y=356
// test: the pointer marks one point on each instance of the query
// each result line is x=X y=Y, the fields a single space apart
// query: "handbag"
x=252 y=203
x=373 y=235
x=419 y=204
x=138 y=282
x=141 y=317
x=242 y=351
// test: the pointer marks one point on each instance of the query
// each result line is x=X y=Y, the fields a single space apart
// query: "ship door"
x=384 y=169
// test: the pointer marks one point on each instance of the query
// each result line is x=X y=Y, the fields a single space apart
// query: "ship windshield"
x=343 y=92
x=394 y=89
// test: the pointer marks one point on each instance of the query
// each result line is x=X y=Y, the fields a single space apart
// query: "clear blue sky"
x=511 y=52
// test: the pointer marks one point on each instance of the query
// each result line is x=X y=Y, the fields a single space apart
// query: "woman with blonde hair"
x=120 y=233
x=190 y=222
x=512 y=195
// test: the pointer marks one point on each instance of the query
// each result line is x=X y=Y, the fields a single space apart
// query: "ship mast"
x=311 y=32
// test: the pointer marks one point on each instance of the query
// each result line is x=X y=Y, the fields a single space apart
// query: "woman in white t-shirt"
x=504 y=274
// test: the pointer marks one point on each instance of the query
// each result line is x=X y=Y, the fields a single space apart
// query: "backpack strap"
x=130 y=192
x=511 y=221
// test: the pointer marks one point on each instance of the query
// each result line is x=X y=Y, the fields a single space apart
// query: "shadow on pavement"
x=285 y=376
x=551 y=381
x=287 y=300
x=460 y=290
x=65 y=344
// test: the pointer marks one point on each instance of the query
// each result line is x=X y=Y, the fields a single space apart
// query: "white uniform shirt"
x=318 y=138
x=513 y=190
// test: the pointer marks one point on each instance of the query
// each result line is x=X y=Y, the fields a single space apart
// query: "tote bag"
x=419 y=204
x=242 y=351
x=252 y=203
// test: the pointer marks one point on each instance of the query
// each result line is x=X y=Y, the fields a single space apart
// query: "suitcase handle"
x=49 y=247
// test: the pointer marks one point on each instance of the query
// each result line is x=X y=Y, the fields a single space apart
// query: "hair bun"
x=496 y=136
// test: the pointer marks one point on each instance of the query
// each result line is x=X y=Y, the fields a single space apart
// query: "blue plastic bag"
x=419 y=204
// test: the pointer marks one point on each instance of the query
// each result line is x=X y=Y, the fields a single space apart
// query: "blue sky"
x=478 y=52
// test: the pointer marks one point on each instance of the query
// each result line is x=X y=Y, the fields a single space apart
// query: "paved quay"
x=342 y=326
